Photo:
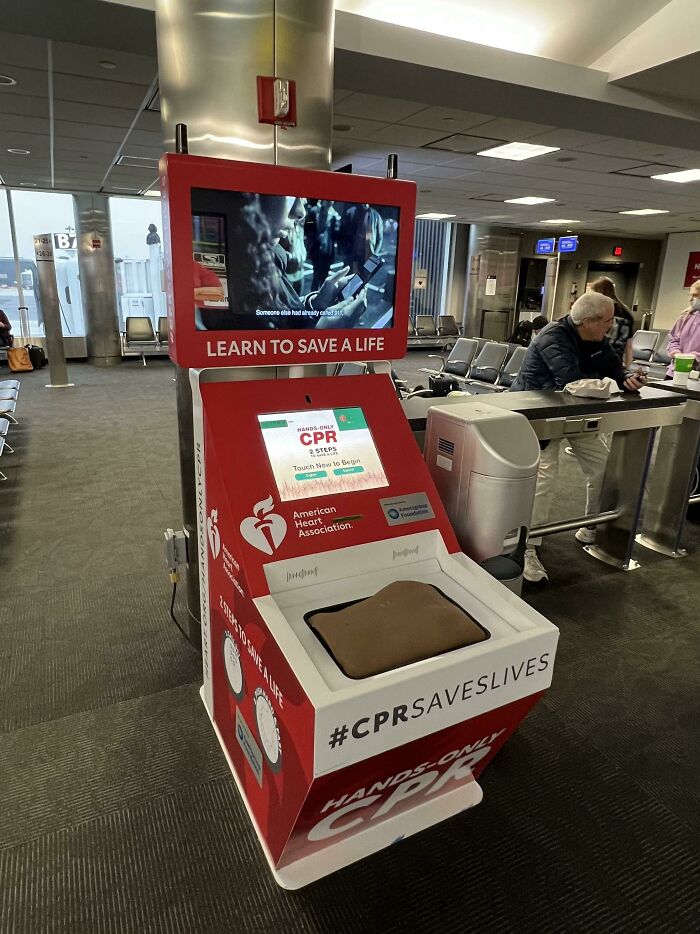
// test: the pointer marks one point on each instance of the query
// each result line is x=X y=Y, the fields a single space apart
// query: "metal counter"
x=632 y=418
x=673 y=477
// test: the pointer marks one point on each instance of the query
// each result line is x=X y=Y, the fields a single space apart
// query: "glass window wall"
x=38 y=212
x=137 y=227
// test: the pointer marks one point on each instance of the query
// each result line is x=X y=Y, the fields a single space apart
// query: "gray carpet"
x=118 y=813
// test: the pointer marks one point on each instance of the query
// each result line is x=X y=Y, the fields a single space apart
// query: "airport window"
x=38 y=212
x=431 y=255
x=137 y=230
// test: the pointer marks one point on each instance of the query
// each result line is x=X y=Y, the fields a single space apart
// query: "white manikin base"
x=365 y=842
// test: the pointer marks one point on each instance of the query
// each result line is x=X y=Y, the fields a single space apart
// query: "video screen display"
x=321 y=452
x=274 y=262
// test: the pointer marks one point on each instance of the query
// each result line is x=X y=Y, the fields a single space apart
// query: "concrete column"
x=97 y=280
x=210 y=53
x=550 y=287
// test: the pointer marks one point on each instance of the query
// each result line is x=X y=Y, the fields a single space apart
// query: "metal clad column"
x=97 y=279
x=43 y=250
x=210 y=53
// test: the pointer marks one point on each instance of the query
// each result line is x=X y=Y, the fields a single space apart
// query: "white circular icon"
x=268 y=731
x=232 y=663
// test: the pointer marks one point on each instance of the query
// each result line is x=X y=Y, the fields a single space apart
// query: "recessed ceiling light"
x=528 y=200
x=645 y=211
x=433 y=217
x=107 y=65
x=28 y=184
x=449 y=119
x=687 y=175
x=342 y=127
x=517 y=152
x=560 y=220
x=7 y=81
x=19 y=152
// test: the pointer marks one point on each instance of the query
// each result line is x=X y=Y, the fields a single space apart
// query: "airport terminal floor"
x=119 y=812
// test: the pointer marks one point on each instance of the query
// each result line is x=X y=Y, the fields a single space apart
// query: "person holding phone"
x=573 y=348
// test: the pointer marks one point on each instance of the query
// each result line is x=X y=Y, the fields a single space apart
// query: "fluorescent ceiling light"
x=433 y=217
x=152 y=193
x=517 y=152
x=528 y=200
x=687 y=175
x=644 y=211
x=560 y=220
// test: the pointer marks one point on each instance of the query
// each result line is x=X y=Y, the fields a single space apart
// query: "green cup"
x=682 y=365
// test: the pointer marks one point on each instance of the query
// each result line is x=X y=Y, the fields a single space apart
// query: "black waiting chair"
x=459 y=361
x=511 y=368
x=138 y=337
x=488 y=363
x=163 y=331
x=643 y=345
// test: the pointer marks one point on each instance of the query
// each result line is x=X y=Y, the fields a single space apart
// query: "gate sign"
x=692 y=273
x=545 y=246
x=568 y=244
x=64 y=241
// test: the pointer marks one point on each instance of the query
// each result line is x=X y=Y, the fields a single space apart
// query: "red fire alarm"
x=617 y=251
x=96 y=243
x=277 y=101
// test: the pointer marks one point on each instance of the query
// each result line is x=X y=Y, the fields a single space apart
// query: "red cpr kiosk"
x=349 y=717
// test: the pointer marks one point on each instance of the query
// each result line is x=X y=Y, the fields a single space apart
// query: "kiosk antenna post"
x=181 y=144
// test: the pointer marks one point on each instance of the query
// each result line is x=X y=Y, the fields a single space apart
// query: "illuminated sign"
x=545 y=246
x=568 y=244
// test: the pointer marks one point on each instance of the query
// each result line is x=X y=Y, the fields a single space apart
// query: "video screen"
x=280 y=262
x=321 y=452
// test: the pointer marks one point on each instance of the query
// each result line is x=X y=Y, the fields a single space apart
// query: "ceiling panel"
x=85 y=61
x=400 y=135
x=95 y=91
x=32 y=82
x=385 y=109
x=453 y=121
x=512 y=130
x=355 y=127
x=23 y=105
x=463 y=143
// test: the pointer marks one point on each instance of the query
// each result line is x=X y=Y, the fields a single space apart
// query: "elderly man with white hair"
x=575 y=347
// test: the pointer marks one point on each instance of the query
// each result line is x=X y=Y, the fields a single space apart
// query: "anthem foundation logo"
x=213 y=533
x=265 y=529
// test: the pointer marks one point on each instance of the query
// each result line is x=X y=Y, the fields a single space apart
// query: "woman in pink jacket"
x=685 y=333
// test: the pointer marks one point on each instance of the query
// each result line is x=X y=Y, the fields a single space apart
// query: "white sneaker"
x=534 y=571
x=585 y=535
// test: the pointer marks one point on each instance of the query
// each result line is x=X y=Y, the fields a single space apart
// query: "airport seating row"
x=9 y=391
x=426 y=332
x=480 y=365
x=138 y=337
x=650 y=349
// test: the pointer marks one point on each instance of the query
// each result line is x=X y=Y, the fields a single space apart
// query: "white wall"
x=673 y=298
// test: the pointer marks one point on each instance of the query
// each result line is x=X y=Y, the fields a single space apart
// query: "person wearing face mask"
x=685 y=333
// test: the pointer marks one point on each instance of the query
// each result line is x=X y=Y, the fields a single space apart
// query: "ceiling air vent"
x=138 y=162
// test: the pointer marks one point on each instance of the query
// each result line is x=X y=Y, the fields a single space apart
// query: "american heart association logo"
x=264 y=530
x=213 y=533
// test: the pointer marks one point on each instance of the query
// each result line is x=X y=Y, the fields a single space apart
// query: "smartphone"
x=353 y=288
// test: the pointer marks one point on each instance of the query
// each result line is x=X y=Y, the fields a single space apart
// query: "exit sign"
x=617 y=251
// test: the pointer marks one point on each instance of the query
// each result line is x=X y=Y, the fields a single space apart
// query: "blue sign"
x=568 y=244
x=545 y=246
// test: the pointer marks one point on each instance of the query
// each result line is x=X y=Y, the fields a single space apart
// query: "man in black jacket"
x=575 y=347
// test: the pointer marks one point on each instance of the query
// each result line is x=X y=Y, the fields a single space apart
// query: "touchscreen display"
x=321 y=452
x=280 y=262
